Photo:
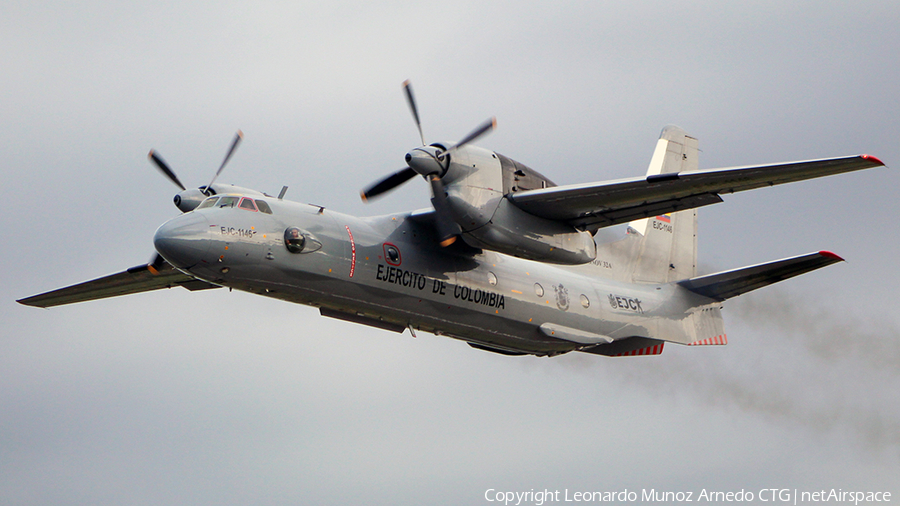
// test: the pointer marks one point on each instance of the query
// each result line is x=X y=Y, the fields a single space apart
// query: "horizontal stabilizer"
x=724 y=285
x=142 y=278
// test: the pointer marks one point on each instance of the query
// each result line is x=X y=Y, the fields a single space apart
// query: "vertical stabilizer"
x=668 y=248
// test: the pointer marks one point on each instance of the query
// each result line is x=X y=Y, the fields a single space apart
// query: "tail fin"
x=668 y=247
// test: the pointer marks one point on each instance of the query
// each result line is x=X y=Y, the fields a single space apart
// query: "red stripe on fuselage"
x=352 y=251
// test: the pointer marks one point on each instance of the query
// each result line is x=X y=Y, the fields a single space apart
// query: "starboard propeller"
x=187 y=200
x=430 y=162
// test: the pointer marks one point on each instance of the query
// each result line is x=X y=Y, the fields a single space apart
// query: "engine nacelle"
x=477 y=182
x=189 y=199
x=517 y=233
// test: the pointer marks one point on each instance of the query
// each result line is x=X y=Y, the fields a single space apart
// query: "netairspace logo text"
x=767 y=495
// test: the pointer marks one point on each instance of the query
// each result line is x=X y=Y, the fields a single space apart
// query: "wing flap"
x=724 y=285
x=142 y=278
x=610 y=203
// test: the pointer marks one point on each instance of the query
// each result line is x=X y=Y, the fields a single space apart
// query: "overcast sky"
x=174 y=397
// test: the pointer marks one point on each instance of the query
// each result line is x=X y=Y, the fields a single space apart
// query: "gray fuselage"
x=389 y=272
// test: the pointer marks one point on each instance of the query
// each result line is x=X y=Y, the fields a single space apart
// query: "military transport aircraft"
x=506 y=260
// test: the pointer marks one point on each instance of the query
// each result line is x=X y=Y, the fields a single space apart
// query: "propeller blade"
x=447 y=229
x=164 y=168
x=234 y=145
x=387 y=184
x=484 y=128
x=411 y=100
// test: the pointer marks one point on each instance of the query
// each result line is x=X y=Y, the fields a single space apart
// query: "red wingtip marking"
x=872 y=158
x=828 y=254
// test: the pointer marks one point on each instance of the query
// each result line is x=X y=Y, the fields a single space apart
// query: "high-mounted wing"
x=142 y=278
x=597 y=205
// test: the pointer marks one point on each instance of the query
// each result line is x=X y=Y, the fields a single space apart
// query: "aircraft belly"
x=456 y=312
x=455 y=306
x=423 y=312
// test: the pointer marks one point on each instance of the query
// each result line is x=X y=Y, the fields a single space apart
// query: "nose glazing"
x=183 y=241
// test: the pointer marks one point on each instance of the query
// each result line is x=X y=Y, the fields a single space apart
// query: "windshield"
x=244 y=203
x=227 y=202
x=208 y=202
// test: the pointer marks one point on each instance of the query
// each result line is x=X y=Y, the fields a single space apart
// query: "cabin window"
x=585 y=302
x=248 y=204
x=492 y=278
x=208 y=202
x=538 y=290
x=263 y=207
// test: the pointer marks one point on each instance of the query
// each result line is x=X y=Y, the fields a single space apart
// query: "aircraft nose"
x=183 y=241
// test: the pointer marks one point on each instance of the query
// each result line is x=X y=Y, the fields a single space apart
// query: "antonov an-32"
x=506 y=260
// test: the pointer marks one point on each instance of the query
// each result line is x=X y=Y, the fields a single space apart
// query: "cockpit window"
x=227 y=201
x=208 y=202
x=247 y=203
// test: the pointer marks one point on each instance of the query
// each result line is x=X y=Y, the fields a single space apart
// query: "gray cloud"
x=225 y=398
x=800 y=362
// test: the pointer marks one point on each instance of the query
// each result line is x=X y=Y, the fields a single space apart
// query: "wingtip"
x=29 y=301
x=871 y=158
x=831 y=255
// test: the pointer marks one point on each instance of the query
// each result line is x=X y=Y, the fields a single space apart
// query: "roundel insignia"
x=391 y=254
